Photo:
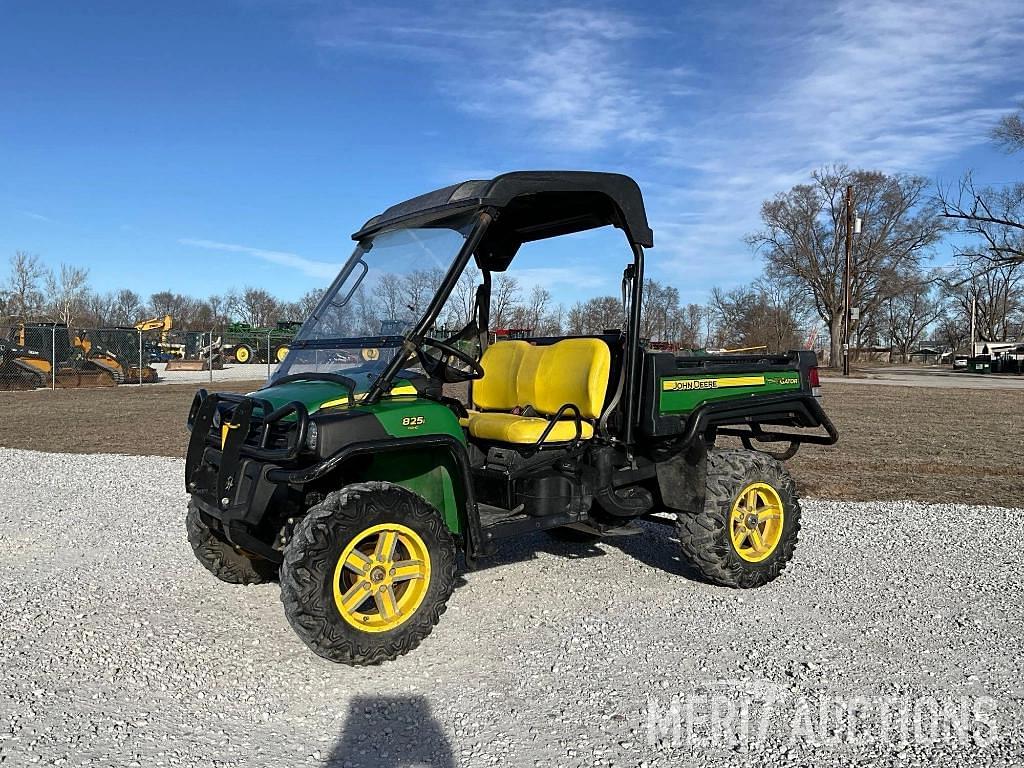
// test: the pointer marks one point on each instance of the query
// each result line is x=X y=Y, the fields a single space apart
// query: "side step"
x=607 y=531
x=497 y=523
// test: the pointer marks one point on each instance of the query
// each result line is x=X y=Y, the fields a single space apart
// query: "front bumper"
x=227 y=470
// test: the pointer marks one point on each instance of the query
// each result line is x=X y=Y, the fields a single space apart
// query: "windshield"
x=378 y=297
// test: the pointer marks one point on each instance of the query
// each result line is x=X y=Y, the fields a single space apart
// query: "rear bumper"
x=748 y=420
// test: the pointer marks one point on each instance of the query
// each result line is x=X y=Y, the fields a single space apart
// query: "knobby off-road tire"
x=706 y=538
x=311 y=569
x=220 y=558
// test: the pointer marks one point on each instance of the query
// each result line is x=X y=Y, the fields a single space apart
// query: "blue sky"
x=203 y=146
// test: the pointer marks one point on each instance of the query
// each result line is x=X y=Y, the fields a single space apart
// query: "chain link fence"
x=56 y=356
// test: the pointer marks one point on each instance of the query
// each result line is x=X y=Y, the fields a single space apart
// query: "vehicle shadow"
x=656 y=546
x=397 y=731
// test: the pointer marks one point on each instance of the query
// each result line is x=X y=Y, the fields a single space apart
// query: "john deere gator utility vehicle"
x=356 y=480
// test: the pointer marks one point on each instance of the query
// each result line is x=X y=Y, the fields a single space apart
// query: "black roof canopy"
x=532 y=205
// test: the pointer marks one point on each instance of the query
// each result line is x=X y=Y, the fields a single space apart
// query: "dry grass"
x=942 y=445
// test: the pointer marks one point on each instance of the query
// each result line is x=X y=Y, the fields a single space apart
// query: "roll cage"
x=517 y=208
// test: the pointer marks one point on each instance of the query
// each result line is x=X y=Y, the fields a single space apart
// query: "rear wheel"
x=220 y=558
x=367 y=574
x=748 y=528
x=243 y=353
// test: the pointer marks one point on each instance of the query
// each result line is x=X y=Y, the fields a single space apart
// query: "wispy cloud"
x=321 y=270
x=871 y=83
x=36 y=216
x=567 y=75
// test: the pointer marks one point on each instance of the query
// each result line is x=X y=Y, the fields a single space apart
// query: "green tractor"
x=245 y=343
x=357 y=480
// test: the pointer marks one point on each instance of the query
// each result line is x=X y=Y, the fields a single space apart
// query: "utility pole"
x=846 y=281
x=974 y=314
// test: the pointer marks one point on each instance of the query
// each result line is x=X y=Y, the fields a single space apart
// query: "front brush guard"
x=228 y=477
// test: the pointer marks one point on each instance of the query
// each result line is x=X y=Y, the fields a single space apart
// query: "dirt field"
x=895 y=442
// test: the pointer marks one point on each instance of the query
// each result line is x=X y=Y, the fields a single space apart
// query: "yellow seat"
x=509 y=428
x=519 y=375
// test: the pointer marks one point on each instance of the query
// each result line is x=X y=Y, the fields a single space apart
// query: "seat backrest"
x=517 y=374
x=572 y=371
x=497 y=390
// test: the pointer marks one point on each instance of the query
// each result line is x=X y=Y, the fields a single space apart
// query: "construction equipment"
x=201 y=352
x=44 y=355
x=357 y=483
x=162 y=324
x=119 y=351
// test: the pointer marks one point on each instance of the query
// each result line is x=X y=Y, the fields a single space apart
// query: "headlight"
x=312 y=435
x=216 y=418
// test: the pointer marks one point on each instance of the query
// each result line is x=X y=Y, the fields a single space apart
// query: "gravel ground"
x=232 y=372
x=119 y=649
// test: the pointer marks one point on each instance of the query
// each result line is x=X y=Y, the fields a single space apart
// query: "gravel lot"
x=120 y=650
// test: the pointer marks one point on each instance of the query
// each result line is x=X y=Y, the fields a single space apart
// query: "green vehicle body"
x=400 y=415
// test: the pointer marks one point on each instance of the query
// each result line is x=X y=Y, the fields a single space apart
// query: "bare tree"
x=996 y=294
x=127 y=307
x=308 y=302
x=66 y=292
x=553 y=321
x=420 y=286
x=533 y=313
x=659 y=312
x=805 y=229
x=995 y=216
x=689 y=334
x=100 y=309
x=22 y=289
x=910 y=313
x=750 y=317
x=389 y=293
x=256 y=307
x=504 y=298
x=458 y=309
x=1009 y=131
x=596 y=315
x=219 y=310
x=951 y=328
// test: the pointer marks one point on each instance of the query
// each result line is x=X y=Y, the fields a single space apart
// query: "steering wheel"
x=441 y=369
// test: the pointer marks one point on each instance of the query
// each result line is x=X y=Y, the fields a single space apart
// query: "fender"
x=468 y=514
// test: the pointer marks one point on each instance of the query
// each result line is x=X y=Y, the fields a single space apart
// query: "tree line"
x=797 y=302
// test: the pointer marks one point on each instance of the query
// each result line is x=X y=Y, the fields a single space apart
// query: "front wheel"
x=220 y=558
x=367 y=574
x=748 y=528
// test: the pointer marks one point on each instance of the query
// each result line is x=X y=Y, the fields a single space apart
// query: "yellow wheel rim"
x=370 y=354
x=242 y=355
x=381 y=577
x=755 y=524
x=282 y=353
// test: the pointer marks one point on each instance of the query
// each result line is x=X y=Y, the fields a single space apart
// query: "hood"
x=320 y=394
